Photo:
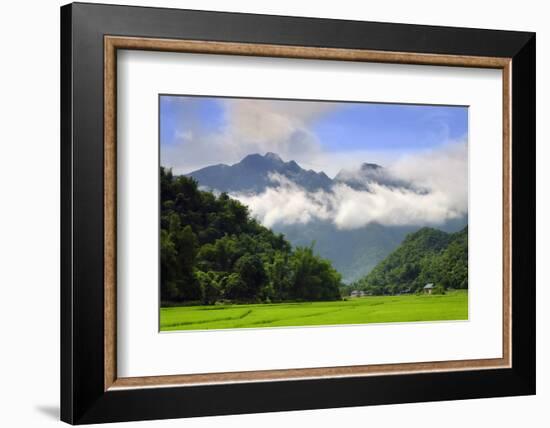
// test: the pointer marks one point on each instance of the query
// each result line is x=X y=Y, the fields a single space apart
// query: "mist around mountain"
x=369 y=173
x=354 y=252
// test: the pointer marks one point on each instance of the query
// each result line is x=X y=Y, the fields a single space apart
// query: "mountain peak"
x=273 y=156
x=370 y=166
x=269 y=158
x=367 y=174
x=251 y=157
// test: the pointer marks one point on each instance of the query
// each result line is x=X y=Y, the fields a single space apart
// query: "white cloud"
x=442 y=174
x=443 y=171
x=287 y=203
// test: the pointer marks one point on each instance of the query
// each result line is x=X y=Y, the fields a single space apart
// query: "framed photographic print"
x=265 y=213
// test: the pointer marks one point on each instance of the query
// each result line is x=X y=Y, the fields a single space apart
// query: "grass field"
x=360 y=310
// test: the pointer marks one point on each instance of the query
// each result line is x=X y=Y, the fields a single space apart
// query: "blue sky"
x=390 y=126
x=198 y=131
x=178 y=114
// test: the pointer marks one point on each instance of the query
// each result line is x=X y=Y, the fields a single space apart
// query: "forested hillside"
x=212 y=250
x=425 y=256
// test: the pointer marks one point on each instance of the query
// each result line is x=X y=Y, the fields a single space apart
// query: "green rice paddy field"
x=360 y=310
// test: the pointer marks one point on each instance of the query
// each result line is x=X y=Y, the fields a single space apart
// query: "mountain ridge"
x=253 y=175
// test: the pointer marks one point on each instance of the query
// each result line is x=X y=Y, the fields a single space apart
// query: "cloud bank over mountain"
x=437 y=192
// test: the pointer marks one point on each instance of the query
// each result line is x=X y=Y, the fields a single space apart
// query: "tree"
x=251 y=270
x=168 y=267
x=280 y=276
x=185 y=243
x=314 y=278
x=210 y=288
x=234 y=286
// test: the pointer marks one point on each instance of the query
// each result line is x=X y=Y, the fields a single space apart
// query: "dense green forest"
x=212 y=250
x=425 y=256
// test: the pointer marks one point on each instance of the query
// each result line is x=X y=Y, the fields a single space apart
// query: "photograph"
x=286 y=213
x=275 y=211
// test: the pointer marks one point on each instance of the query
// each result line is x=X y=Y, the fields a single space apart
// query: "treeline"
x=425 y=256
x=212 y=250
